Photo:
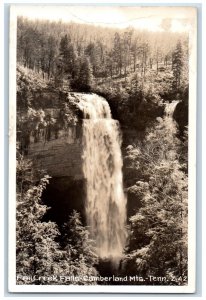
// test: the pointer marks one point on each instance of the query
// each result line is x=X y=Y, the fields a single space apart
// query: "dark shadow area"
x=63 y=195
x=108 y=268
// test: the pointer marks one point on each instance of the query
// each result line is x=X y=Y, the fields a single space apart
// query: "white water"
x=169 y=122
x=102 y=167
x=170 y=108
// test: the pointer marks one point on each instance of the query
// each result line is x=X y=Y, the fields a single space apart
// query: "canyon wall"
x=61 y=155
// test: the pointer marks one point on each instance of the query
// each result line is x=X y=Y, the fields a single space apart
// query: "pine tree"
x=85 y=75
x=177 y=65
x=92 y=52
x=79 y=247
x=84 y=78
x=66 y=55
x=118 y=53
x=126 y=40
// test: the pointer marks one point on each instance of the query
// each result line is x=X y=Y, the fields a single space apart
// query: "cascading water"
x=169 y=122
x=102 y=167
x=170 y=107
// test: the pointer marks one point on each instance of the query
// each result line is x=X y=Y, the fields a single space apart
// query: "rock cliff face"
x=49 y=132
x=49 y=126
x=181 y=112
x=61 y=155
x=181 y=116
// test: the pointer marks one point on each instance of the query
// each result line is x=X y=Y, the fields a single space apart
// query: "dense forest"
x=138 y=72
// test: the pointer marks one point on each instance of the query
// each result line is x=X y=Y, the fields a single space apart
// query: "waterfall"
x=170 y=107
x=168 y=116
x=102 y=166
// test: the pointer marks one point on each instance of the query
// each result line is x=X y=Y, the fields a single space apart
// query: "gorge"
x=87 y=168
x=101 y=168
x=85 y=163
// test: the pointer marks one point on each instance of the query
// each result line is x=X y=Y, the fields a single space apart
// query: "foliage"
x=38 y=254
x=83 y=76
x=34 y=123
x=51 y=47
x=28 y=81
x=66 y=56
x=158 y=230
x=67 y=115
x=134 y=70
x=42 y=110
x=180 y=69
x=132 y=99
x=79 y=247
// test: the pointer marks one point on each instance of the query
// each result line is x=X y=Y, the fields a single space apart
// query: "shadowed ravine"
x=102 y=167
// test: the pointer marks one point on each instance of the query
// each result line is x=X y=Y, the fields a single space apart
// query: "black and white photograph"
x=102 y=148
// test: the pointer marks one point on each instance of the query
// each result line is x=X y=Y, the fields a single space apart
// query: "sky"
x=175 y=19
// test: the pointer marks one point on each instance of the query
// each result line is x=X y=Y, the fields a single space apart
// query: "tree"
x=31 y=48
x=127 y=39
x=92 y=52
x=109 y=65
x=37 y=253
x=80 y=249
x=134 y=50
x=158 y=230
x=117 y=52
x=177 y=65
x=83 y=79
x=51 y=52
x=66 y=55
